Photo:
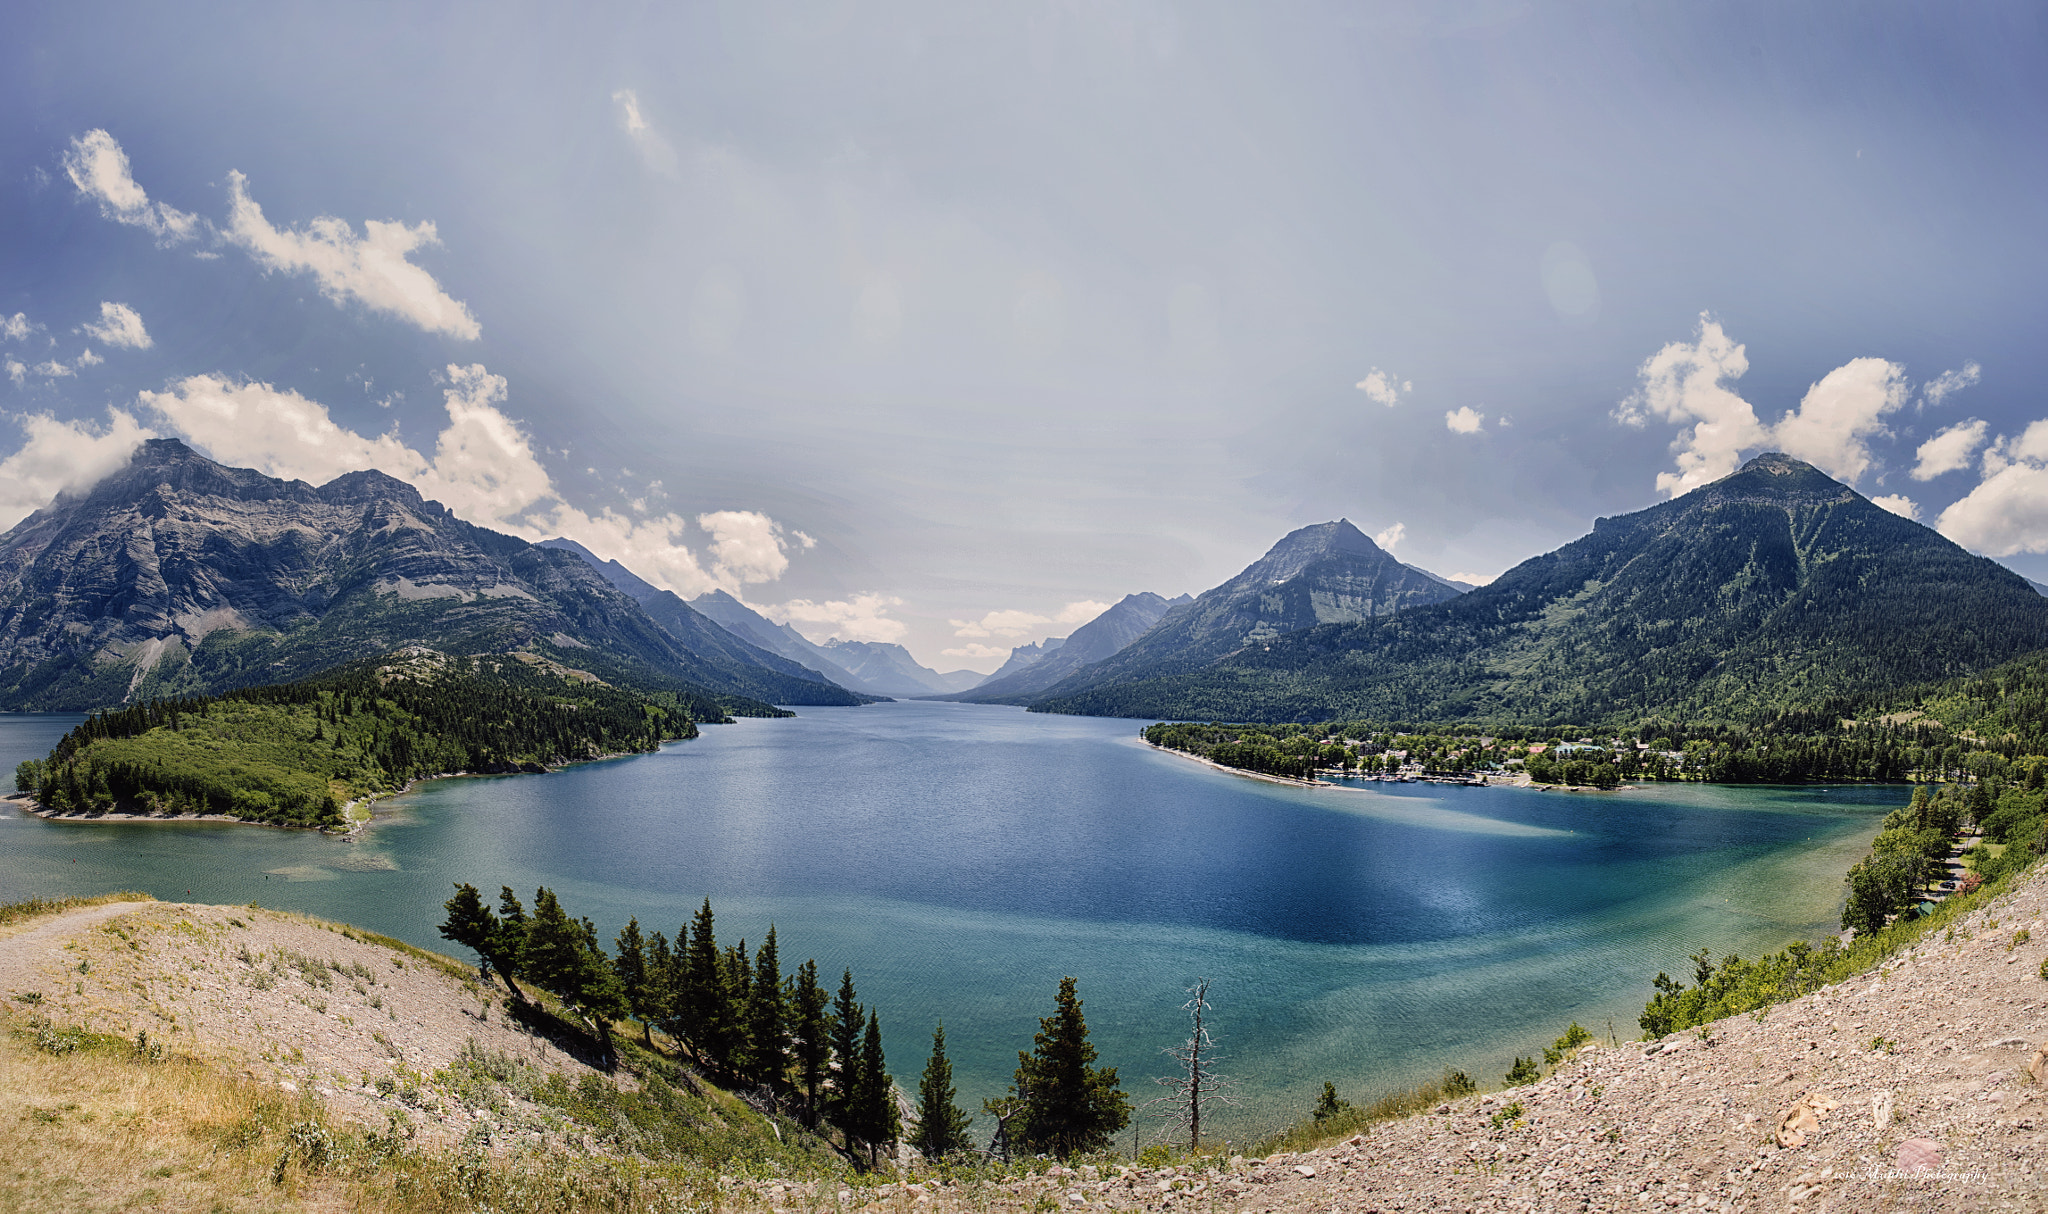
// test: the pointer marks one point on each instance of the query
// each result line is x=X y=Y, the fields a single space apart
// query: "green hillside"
x=296 y=754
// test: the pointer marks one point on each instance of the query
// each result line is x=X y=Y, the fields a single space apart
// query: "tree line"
x=782 y=1037
x=277 y=753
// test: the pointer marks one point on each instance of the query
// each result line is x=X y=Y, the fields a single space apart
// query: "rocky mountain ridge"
x=178 y=574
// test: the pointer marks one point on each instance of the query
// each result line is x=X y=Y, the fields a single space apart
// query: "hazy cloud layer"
x=860 y=617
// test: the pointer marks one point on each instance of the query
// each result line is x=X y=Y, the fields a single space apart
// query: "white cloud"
x=1687 y=383
x=1391 y=536
x=655 y=152
x=1475 y=579
x=99 y=168
x=1464 y=420
x=371 y=269
x=1899 y=504
x=63 y=457
x=1838 y=417
x=1019 y=624
x=977 y=650
x=748 y=546
x=860 y=618
x=2008 y=510
x=17 y=327
x=52 y=369
x=17 y=371
x=120 y=325
x=1949 y=450
x=1942 y=386
x=1384 y=387
x=484 y=469
x=86 y=358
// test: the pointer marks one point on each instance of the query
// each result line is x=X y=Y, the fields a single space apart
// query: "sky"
x=950 y=324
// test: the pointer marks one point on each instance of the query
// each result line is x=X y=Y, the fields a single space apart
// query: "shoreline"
x=28 y=804
x=1294 y=783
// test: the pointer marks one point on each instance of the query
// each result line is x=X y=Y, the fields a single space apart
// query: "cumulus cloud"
x=2007 y=512
x=1474 y=579
x=86 y=358
x=1384 y=387
x=860 y=618
x=119 y=325
x=17 y=327
x=1838 y=417
x=1942 y=386
x=655 y=151
x=52 y=369
x=1950 y=450
x=1016 y=624
x=977 y=650
x=748 y=546
x=1464 y=420
x=371 y=269
x=17 y=371
x=1687 y=383
x=99 y=168
x=483 y=468
x=63 y=457
x=1899 y=504
x=1391 y=536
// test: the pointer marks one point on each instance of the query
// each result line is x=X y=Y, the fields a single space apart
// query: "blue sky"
x=947 y=323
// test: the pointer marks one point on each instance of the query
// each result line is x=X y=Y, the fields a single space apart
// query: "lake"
x=961 y=859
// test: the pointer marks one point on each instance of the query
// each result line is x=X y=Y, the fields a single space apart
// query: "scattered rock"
x=1917 y=1155
x=1802 y=1119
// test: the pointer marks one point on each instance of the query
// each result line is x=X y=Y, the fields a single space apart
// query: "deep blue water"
x=961 y=859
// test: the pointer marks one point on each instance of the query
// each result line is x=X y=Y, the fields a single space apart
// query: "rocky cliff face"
x=179 y=574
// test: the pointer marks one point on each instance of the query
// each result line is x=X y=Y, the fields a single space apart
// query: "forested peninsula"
x=314 y=753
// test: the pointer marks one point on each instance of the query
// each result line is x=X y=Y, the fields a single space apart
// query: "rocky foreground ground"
x=1917 y=1087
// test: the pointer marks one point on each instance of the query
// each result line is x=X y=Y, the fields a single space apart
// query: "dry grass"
x=15 y=916
x=1309 y=1134
x=90 y=1122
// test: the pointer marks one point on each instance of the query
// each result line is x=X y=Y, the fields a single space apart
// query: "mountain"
x=179 y=575
x=754 y=628
x=771 y=675
x=886 y=669
x=1330 y=573
x=1022 y=656
x=1775 y=588
x=962 y=680
x=1102 y=637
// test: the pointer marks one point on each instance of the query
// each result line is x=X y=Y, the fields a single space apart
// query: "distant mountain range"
x=1774 y=588
x=1033 y=668
x=1330 y=573
x=180 y=575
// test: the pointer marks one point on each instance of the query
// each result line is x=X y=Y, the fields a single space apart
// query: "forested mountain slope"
x=1330 y=573
x=178 y=575
x=765 y=674
x=1774 y=588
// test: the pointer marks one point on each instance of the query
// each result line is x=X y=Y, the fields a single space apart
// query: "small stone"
x=1917 y=1155
x=1304 y=1171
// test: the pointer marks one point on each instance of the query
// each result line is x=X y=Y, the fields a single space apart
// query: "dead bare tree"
x=1194 y=1086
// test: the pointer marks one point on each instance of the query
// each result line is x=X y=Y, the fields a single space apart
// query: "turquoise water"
x=962 y=859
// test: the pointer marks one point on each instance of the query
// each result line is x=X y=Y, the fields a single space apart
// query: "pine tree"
x=471 y=924
x=941 y=1124
x=875 y=1093
x=630 y=964
x=768 y=1019
x=661 y=983
x=736 y=984
x=700 y=999
x=847 y=1021
x=1071 y=1105
x=564 y=959
x=809 y=1007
